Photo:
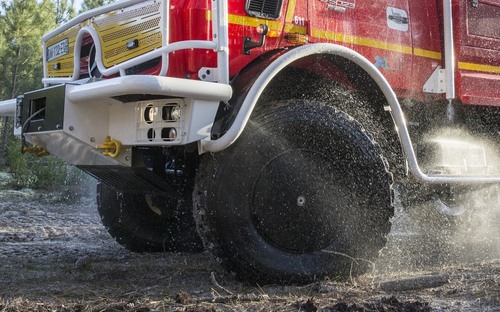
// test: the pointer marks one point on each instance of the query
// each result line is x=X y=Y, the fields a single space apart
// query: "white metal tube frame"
x=449 y=54
x=219 y=42
x=8 y=107
x=286 y=59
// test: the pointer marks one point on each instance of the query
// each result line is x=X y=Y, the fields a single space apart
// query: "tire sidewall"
x=129 y=219
x=237 y=236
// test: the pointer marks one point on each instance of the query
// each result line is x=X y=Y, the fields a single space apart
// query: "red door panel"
x=377 y=29
x=477 y=36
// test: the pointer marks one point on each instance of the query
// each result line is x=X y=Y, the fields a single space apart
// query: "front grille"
x=117 y=28
x=264 y=8
x=63 y=65
x=140 y=24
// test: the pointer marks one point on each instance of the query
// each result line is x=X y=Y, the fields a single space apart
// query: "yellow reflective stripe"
x=253 y=21
x=249 y=21
x=350 y=39
x=289 y=26
x=295 y=29
x=479 y=67
x=289 y=11
x=427 y=53
x=367 y=42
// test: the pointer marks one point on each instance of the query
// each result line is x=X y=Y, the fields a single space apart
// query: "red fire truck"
x=287 y=125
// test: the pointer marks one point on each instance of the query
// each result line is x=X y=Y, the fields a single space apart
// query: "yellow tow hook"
x=36 y=150
x=110 y=145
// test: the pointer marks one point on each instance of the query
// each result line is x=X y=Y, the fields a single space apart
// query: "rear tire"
x=146 y=223
x=303 y=194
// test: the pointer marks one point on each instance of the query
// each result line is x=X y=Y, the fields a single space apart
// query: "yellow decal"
x=479 y=67
x=427 y=53
x=62 y=66
x=289 y=11
x=367 y=42
x=242 y=20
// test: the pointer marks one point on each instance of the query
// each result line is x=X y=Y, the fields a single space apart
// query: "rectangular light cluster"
x=159 y=121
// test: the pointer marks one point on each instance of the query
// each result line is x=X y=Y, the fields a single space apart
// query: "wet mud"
x=56 y=256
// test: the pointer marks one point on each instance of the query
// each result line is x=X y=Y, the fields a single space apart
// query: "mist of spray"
x=424 y=237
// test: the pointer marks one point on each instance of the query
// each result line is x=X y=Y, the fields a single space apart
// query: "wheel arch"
x=306 y=72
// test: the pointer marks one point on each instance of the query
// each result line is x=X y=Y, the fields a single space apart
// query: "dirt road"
x=56 y=256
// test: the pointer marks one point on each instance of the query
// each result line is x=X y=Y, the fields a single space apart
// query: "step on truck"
x=272 y=133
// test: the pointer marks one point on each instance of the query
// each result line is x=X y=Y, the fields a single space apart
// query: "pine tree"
x=64 y=10
x=91 y=4
x=22 y=26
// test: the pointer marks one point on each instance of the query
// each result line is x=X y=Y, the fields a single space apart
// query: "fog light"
x=171 y=113
x=175 y=113
x=168 y=134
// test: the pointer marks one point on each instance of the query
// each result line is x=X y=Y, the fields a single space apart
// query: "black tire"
x=303 y=194
x=145 y=223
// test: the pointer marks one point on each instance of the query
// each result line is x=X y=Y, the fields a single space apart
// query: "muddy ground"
x=56 y=256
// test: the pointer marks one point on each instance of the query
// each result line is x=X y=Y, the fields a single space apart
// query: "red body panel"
x=477 y=37
x=406 y=52
x=364 y=29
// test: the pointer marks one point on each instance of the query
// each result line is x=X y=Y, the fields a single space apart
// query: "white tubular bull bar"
x=327 y=48
x=219 y=43
x=8 y=108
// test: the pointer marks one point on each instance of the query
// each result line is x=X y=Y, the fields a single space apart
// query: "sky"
x=78 y=4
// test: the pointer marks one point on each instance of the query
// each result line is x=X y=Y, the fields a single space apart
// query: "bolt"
x=301 y=201
x=71 y=128
x=92 y=139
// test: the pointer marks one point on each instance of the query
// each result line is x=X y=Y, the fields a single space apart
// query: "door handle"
x=398 y=18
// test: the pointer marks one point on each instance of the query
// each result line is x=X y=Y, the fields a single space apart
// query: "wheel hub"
x=296 y=201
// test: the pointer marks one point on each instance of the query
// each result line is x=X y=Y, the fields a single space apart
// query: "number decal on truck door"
x=297 y=20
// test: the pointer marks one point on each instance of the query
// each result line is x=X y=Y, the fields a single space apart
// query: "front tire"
x=303 y=194
x=147 y=223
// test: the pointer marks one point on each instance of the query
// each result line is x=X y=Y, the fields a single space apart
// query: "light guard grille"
x=140 y=23
x=65 y=62
x=117 y=28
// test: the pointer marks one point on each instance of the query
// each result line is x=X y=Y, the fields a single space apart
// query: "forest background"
x=22 y=25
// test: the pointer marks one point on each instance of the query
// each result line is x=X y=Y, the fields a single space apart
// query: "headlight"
x=171 y=113
x=175 y=113
x=149 y=113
